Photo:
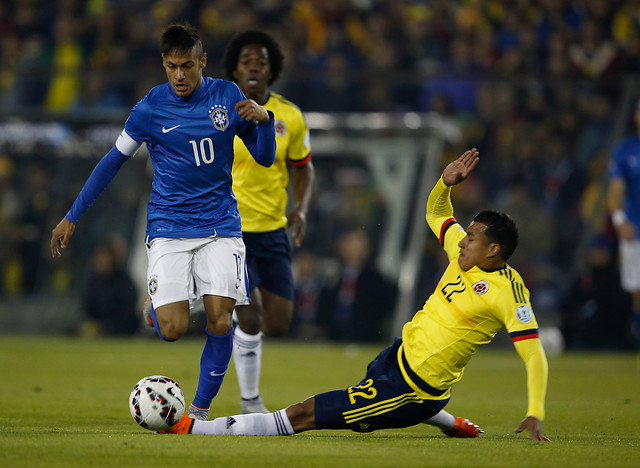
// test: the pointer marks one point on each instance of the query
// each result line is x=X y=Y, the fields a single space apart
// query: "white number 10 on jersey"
x=205 y=152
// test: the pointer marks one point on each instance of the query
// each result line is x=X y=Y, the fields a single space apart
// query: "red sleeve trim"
x=445 y=226
x=524 y=337
x=300 y=162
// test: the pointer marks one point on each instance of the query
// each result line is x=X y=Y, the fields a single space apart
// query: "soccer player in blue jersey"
x=410 y=382
x=194 y=239
x=624 y=205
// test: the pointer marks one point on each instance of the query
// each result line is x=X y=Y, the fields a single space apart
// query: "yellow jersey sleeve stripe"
x=518 y=294
x=517 y=287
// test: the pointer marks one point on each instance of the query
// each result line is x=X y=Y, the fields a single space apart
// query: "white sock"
x=443 y=420
x=247 y=356
x=246 y=424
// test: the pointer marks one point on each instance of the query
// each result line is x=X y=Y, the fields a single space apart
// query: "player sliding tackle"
x=410 y=381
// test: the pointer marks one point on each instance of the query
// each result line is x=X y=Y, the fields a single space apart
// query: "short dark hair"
x=501 y=229
x=240 y=40
x=180 y=37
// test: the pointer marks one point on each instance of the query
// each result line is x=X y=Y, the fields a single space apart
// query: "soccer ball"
x=156 y=402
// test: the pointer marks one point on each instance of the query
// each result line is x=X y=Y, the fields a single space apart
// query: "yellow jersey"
x=262 y=191
x=466 y=310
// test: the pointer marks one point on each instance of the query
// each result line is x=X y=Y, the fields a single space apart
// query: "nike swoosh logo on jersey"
x=217 y=374
x=167 y=130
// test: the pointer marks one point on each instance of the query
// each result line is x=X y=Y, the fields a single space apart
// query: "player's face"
x=184 y=70
x=476 y=250
x=253 y=71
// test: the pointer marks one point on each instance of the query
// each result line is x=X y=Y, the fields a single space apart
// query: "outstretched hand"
x=297 y=221
x=60 y=236
x=458 y=170
x=626 y=231
x=534 y=426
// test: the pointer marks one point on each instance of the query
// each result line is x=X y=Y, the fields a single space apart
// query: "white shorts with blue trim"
x=630 y=265
x=189 y=268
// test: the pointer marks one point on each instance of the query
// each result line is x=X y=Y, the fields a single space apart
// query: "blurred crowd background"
x=543 y=88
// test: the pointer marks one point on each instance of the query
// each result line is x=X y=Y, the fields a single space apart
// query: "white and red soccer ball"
x=156 y=402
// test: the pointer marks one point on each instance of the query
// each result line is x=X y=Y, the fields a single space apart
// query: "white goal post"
x=404 y=154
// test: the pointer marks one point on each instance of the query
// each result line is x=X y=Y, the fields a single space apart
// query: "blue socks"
x=213 y=366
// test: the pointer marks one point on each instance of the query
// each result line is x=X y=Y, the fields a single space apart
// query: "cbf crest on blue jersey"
x=219 y=117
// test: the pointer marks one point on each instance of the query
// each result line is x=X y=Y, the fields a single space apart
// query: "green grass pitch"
x=64 y=403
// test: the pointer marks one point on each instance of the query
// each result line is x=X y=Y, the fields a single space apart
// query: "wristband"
x=618 y=218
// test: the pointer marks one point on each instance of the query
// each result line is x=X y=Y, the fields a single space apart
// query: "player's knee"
x=276 y=325
x=275 y=330
x=251 y=326
x=221 y=325
x=171 y=331
x=250 y=319
x=172 y=320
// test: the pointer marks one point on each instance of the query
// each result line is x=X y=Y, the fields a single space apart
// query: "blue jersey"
x=625 y=164
x=190 y=141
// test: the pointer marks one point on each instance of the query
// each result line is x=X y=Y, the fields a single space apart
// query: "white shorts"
x=187 y=269
x=630 y=265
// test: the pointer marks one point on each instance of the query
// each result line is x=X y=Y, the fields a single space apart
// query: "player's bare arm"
x=60 y=236
x=458 y=170
x=302 y=178
x=534 y=426
x=251 y=110
x=616 y=194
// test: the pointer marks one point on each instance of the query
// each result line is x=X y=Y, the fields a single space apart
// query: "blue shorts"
x=269 y=262
x=382 y=400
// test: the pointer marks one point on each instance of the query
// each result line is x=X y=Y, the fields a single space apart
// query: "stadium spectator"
x=457 y=80
x=308 y=281
x=67 y=62
x=195 y=248
x=410 y=382
x=33 y=224
x=110 y=299
x=595 y=312
x=370 y=37
x=626 y=33
x=531 y=216
x=253 y=60
x=10 y=205
x=356 y=305
x=592 y=54
x=97 y=93
x=624 y=206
